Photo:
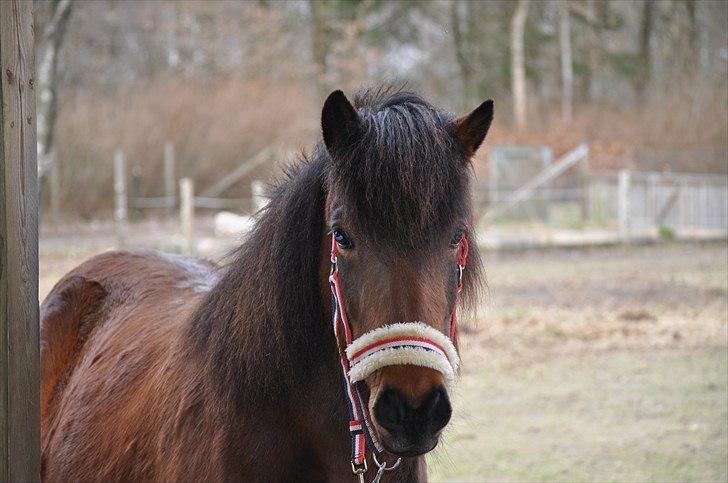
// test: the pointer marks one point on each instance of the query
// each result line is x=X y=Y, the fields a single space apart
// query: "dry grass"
x=596 y=365
x=217 y=124
x=214 y=126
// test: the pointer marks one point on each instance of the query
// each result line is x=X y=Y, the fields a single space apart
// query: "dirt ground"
x=603 y=364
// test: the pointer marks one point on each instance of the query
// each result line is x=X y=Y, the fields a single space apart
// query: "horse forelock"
x=405 y=179
x=405 y=183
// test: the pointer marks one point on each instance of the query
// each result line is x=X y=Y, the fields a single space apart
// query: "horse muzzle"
x=408 y=368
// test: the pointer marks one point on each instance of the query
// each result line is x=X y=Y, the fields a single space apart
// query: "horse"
x=162 y=367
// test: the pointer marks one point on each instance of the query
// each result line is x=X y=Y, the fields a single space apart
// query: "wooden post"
x=652 y=189
x=623 y=204
x=120 y=211
x=187 y=214
x=257 y=187
x=54 y=185
x=493 y=175
x=584 y=179
x=135 y=192
x=544 y=206
x=169 y=181
x=19 y=350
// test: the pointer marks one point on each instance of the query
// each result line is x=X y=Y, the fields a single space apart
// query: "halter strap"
x=360 y=425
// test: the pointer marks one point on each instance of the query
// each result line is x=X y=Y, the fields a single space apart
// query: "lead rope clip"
x=382 y=468
x=359 y=470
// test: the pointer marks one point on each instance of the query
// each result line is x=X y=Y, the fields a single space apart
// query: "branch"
x=62 y=9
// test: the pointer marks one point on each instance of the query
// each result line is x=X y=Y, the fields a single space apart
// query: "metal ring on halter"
x=384 y=464
x=383 y=467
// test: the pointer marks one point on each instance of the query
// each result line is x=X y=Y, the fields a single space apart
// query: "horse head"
x=398 y=214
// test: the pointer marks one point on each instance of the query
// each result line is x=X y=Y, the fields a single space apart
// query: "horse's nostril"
x=394 y=412
x=391 y=409
x=438 y=409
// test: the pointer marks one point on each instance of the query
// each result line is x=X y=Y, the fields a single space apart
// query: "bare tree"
x=567 y=67
x=319 y=44
x=50 y=47
x=459 y=41
x=645 y=47
x=694 y=52
x=518 y=67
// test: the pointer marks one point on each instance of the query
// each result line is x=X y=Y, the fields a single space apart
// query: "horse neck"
x=263 y=332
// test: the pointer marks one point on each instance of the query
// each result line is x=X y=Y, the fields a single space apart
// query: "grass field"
x=621 y=416
x=607 y=364
x=600 y=365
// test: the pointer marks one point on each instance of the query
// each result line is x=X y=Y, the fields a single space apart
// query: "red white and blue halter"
x=413 y=343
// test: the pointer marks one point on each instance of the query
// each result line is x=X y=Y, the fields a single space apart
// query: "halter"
x=401 y=343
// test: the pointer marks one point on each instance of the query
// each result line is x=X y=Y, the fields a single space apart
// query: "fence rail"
x=124 y=201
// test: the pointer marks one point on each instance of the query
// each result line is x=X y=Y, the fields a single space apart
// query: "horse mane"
x=263 y=322
x=264 y=325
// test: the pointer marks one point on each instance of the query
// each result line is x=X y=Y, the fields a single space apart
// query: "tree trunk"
x=592 y=80
x=319 y=46
x=567 y=68
x=459 y=41
x=645 y=52
x=48 y=82
x=173 y=56
x=694 y=52
x=518 y=67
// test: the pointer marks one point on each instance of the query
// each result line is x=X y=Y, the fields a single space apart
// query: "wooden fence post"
x=169 y=181
x=120 y=198
x=134 y=192
x=54 y=187
x=257 y=188
x=623 y=208
x=585 y=187
x=19 y=330
x=544 y=207
x=187 y=214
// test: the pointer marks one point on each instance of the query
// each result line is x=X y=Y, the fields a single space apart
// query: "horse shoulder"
x=111 y=368
x=68 y=315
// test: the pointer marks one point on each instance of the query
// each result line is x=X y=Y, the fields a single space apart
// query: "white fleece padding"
x=415 y=356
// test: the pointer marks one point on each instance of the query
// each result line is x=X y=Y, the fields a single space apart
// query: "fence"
x=537 y=191
x=639 y=201
x=126 y=195
x=555 y=194
x=632 y=203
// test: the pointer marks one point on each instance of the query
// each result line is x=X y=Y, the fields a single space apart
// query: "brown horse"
x=162 y=367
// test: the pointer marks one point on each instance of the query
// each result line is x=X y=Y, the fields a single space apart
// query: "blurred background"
x=601 y=350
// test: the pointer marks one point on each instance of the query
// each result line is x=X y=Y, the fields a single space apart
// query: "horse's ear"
x=339 y=122
x=470 y=130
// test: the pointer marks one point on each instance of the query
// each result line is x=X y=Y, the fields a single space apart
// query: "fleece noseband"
x=404 y=343
x=412 y=343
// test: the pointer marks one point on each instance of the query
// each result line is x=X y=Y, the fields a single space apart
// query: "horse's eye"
x=456 y=239
x=342 y=239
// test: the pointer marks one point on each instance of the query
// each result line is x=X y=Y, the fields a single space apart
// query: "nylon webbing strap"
x=360 y=426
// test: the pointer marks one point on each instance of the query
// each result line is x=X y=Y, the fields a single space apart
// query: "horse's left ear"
x=339 y=123
x=470 y=130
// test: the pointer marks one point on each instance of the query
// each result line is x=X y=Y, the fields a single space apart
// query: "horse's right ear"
x=339 y=122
